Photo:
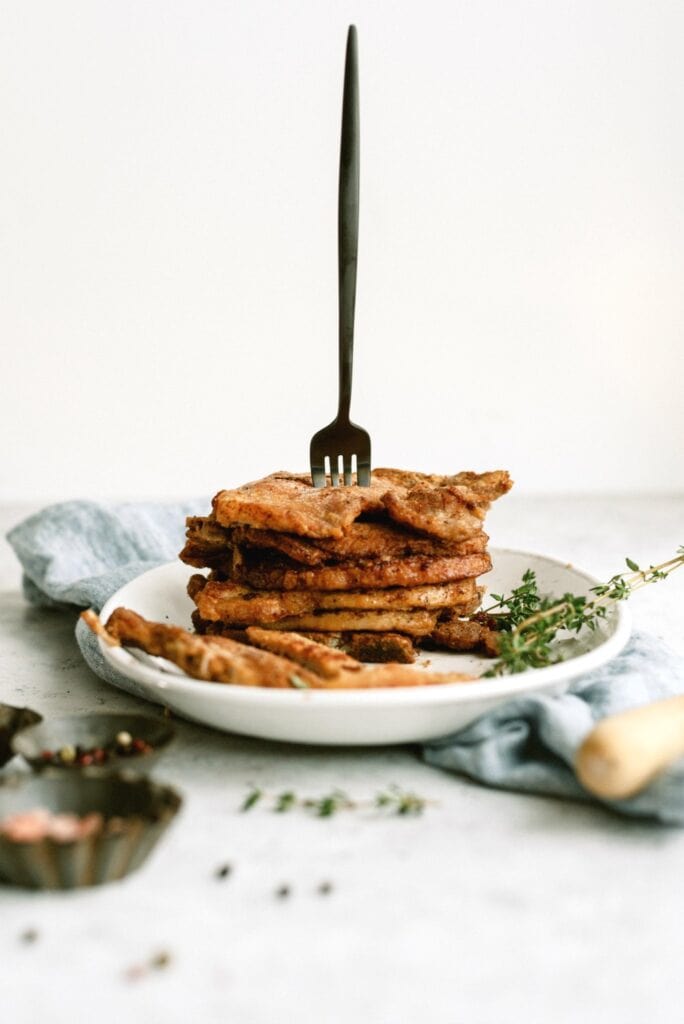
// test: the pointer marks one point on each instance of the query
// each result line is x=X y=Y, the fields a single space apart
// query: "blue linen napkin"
x=79 y=553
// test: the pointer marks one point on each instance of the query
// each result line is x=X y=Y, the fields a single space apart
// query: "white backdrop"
x=168 y=241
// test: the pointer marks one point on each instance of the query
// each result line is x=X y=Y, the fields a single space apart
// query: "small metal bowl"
x=136 y=813
x=93 y=730
x=11 y=721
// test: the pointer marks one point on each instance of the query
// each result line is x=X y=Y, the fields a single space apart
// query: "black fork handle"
x=348 y=221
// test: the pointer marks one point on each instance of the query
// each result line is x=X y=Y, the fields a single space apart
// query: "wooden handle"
x=626 y=752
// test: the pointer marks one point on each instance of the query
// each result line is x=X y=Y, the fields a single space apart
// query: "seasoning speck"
x=224 y=871
x=160 y=960
x=29 y=936
x=325 y=888
x=282 y=892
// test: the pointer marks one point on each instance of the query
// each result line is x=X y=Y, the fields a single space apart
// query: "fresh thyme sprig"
x=398 y=801
x=392 y=800
x=522 y=602
x=525 y=640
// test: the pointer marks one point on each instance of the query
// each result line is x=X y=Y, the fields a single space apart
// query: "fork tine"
x=347 y=462
x=318 y=475
x=317 y=463
x=363 y=476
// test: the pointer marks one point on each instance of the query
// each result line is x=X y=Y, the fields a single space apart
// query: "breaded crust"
x=237 y=604
x=482 y=487
x=207 y=628
x=455 y=634
x=392 y=676
x=279 y=574
x=209 y=545
x=213 y=658
x=441 y=512
x=289 y=503
x=451 y=508
x=359 y=541
x=369 y=647
x=414 y=623
x=324 y=661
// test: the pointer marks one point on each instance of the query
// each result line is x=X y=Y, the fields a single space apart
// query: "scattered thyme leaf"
x=393 y=800
x=252 y=798
x=285 y=801
x=330 y=804
x=400 y=802
x=157 y=962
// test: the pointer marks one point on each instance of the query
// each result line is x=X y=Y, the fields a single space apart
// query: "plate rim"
x=445 y=693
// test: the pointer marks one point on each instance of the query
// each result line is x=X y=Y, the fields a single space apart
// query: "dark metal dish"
x=134 y=814
x=11 y=721
x=93 y=731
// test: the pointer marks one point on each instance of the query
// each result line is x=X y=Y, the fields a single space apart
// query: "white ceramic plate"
x=400 y=715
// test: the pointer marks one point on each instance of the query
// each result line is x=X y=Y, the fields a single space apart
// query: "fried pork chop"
x=361 y=540
x=207 y=545
x=263 y=573
x=481 y=488
x=214 y=658
x=324 y=661
x=386 y=676
x=455 y=634
x=414 y=623
x=370 y=647
x=218 y=659
x=210 y=545
x=237 y=605
x=289 y=503
x=371 y=572
x=443 y=507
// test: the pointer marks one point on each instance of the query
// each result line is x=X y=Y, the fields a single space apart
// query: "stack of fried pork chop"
x=373 y=571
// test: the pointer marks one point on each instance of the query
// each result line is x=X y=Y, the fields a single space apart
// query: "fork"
x=342 y=441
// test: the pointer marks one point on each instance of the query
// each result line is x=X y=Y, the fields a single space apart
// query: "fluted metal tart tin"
x=90 y=731
x=136 y=813
x=11 y=721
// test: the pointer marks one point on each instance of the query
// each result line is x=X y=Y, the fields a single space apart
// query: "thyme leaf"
x=253 y=797
x=285 y=801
